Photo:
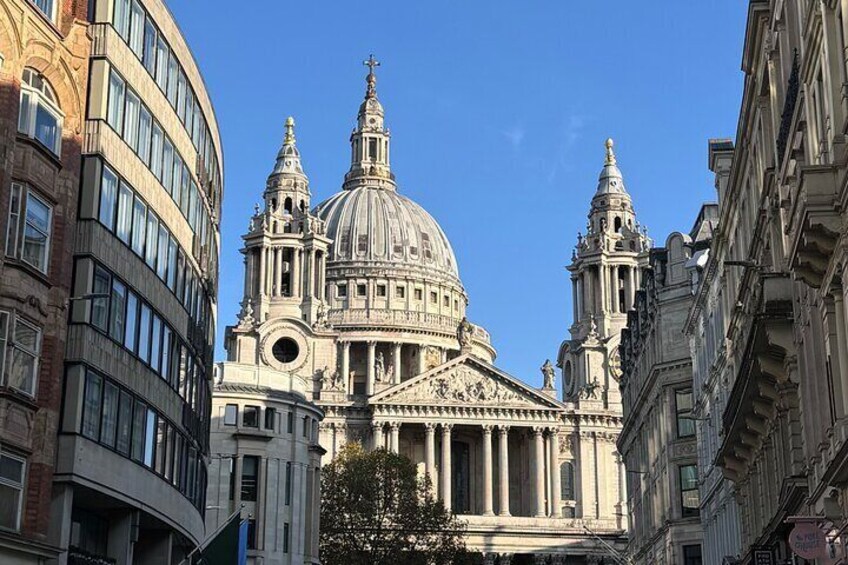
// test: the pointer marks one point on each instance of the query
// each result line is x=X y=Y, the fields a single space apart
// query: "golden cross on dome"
x=371 y=79
x=371 y=62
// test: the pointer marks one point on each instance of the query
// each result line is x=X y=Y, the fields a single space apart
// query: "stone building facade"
x=704 y=329
x=658 y=439
x=110 y=197
x=43 y=74
x=360 y=298
x=777 y=268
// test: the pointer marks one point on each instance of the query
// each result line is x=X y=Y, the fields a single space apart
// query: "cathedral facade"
x=360 y=298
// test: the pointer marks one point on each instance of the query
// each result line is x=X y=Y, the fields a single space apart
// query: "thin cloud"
x=515 y=136
x=569 y=135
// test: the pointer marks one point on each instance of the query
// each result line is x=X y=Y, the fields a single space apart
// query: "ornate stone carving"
x=548 y=374
x=465 y=334
x=590 y=389
x=245 y=317
x=379 y=368
x=321 y=320
x=462 y=385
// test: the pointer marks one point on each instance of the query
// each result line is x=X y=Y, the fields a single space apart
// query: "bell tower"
x=285 y=253
x=605 y=269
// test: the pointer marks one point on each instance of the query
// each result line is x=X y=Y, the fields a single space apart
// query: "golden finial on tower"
x=610 y=155
x=289 y=139
x=371 y=79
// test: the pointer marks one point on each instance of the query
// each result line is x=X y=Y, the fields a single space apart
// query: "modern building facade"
x=360 y=298
x=111 y=194
x=44 y=52
x=658 y=440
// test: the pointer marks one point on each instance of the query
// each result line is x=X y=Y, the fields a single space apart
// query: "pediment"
x=466 y=381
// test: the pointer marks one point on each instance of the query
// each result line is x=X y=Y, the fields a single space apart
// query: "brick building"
x=110 y=195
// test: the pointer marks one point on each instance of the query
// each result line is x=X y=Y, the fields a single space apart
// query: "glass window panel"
x=91 y=406
x=11 y=469
x=181 y=95
x=131 y=120
x=100 y=287
x=124 y=226
x=167 y=164
x=149 y=436
x=166 y=352
x=25 y=114
x=139 y=412
x=162 y=53
x=132 y=317
x=178 y=178
x=152 y=240
x=115 y=112
x=117 y=314
x=139 y=226
x=108 y=198
x=121 y=18
x=161 y=445
x=13 y=227
x=144 y=333
x=109 y=422
x=149 y=59
x=230 y=414
x=184 y=198
x=125 y=408
x=172 y=264
x=47 y=128
x=250 y=417
x=36 y=232
x=155 y=342
x=162 y=254
x=136 y=28
x=144 y=125
x=173 y=67
x=156 y=151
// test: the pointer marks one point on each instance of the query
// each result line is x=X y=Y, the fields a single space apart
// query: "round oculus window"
x=285 y=350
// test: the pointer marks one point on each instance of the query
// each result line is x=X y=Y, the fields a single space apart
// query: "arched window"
x=40 y=117
x=303 y=206
x=617 y=224
x=287 y=205
x=566 y=480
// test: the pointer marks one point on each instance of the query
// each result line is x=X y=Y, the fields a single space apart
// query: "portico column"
x=503 y=471
x=346 y=366
x=487 y=470
x=394 y=443
x=430 y=453
x=369 y=380
x=574 y=302
x=261 y=272
x=616 y=307
x=447 y=474
x=295 y=274
x=602 y=287
x=377 y=435
x=278 y=271
x=310 y=286
x=539 y=466
x=555 y=478
x=397 y=363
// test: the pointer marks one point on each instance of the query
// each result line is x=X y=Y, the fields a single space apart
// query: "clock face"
x=615 y=365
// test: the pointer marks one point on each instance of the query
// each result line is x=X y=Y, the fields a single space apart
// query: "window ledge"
x=18 y=397
x=258 y=433
x=32 y=271
x=40 y=147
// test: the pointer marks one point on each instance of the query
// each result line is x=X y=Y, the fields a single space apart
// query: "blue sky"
x=498 y=112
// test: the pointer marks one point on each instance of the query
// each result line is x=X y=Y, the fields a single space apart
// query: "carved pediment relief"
x=463 y=384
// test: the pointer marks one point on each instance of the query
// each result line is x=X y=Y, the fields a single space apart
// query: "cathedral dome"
x=375 y=227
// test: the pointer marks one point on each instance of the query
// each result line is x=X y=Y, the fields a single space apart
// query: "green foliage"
x=375 y=510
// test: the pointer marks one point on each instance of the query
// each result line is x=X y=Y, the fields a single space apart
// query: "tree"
x=376 y=509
